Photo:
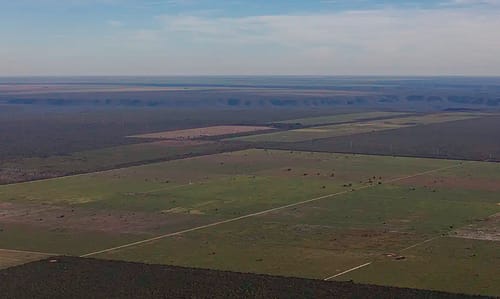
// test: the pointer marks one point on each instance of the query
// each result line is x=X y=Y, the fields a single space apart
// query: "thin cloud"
x=115 y=23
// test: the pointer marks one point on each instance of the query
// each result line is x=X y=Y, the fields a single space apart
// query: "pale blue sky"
x=217 y=37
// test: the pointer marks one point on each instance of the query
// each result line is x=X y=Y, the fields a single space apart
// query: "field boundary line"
x=347 y=271
x=166 y=188
x=214 y=224
x=29 y=252
x=261 y=212
x=369 y=263
x=420 y=243
x=424 y=173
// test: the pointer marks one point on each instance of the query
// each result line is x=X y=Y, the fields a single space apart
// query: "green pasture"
x=373 y=209
x=446 y=264
x=281 y=169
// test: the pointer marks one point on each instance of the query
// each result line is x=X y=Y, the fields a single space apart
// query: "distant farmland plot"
x=292 y=213
x=439 y=140
x=340 y=118
x=330 y=131
x=203 y=132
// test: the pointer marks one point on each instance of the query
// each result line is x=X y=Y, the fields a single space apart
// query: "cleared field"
x=340 y=118
x=108 y=158
x=311 y=215
x=321 y=238
x=202 y=132
x=221 y=171
x=443 y=264
x=322 y=132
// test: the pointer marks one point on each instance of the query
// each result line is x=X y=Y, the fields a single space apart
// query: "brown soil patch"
x=485 y=229
x=453 y=183
x=67 y=218
x=203 y=132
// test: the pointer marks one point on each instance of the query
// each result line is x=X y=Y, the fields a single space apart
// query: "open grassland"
x=322 y=132
x=312 y=215
x=203 y=132
x=341 y=118
x=322 y=238
x=235 y=169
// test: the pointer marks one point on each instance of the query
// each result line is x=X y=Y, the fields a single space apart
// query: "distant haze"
x=234 y=37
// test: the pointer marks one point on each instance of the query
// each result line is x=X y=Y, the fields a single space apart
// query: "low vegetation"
x=303 y=214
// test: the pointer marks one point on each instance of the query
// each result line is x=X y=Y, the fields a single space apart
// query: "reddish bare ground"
x=67 y=218
x=453 y=183
x=203 y=132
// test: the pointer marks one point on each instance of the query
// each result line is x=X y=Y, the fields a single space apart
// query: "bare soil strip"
x=262 y=212
x=347 y=271
x=420 y=243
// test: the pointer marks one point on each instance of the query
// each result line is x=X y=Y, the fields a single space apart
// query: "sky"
x=249 y=37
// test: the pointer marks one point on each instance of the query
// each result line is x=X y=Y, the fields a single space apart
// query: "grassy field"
x=291 y=213
x=446 y=264
x=321 y=132
x=341 y=118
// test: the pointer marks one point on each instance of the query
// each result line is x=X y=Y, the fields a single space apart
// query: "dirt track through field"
x=263 y=212
x=369 y=263
x=347 y=271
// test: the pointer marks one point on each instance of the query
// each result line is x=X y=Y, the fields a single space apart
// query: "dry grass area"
x=203 y=132
x=10 y=258
x=487 y=229
x=77 y=219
